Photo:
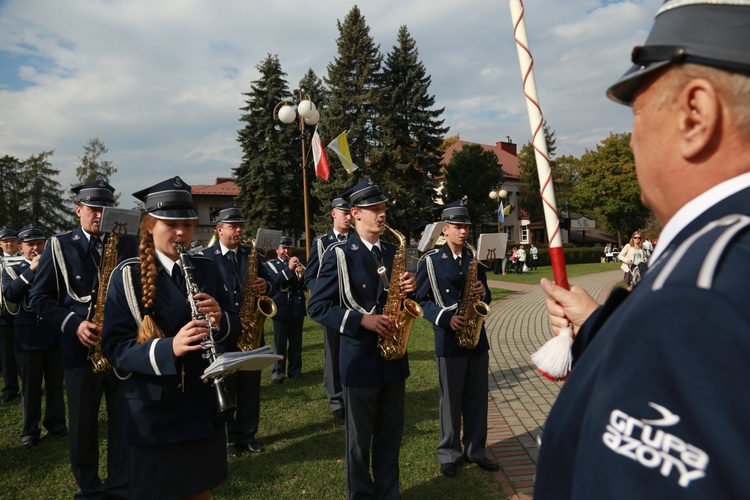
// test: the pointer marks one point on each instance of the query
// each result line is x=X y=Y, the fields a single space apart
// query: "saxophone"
x=109 y=262
x=255 y=308
x=472 y=308
x=401 y=311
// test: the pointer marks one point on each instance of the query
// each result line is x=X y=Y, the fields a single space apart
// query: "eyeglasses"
x=636 y=237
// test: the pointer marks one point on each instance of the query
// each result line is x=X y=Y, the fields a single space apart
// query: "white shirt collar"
x=224 y=249
x=370 y=245
x=166 y=262
x=695 y=207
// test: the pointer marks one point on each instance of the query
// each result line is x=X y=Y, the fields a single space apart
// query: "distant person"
x=534 y=257
x=656 y=404
x=608 y=253
x=634 y=259
x=520 y=260
x=8 y=248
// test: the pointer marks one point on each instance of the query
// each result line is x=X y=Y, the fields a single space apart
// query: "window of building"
x=524 y=234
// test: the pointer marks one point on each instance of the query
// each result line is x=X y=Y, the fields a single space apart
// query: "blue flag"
x=500 y=214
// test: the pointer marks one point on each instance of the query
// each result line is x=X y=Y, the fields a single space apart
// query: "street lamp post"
x=305 y=113
x=499 y=194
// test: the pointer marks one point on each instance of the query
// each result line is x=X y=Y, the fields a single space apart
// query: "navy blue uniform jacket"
x=316 y=255
x=31 y=333
x=159 y=407
x=56 y=304
x=451 y=289
x=360 y=362
x=289 y=292
x=655 y=405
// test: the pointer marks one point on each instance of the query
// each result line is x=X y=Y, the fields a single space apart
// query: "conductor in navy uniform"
x=462 y=372
x=374 y=388
x=64 y=295
x=331 y=376
x=231 y=257
x=9 y=248
x=656 y=402
x=37 y=346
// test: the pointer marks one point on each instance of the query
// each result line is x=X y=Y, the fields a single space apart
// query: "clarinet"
x=208 y=345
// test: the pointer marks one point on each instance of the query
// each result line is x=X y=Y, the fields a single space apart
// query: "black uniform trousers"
x=84 y=389
x=36 y=366
x=287 y=331
x=331 y=371
x=242 y=424
x=463 y=392
x=374 y=411
x=8 y=359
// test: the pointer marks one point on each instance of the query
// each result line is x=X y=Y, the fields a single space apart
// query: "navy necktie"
x=178 y=278
x=376 y=252
x=341 y=237
x=95 y=248
x=458 y=261
x=233 y=259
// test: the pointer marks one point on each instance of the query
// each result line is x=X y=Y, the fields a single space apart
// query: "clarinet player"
x=174 y=435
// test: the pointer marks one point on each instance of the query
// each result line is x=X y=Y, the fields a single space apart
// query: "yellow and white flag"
x=341 y=147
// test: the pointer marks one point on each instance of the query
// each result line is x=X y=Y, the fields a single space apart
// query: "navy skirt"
x=174 y=471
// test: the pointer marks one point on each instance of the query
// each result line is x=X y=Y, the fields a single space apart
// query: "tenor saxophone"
x=109 y=262
x=400 y=310
x=255 y=308
x=472 y=308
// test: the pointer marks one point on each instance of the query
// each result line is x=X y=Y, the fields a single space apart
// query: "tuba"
x=401 y=311
x=255 y=308
x=471 y=308
x=109 y=262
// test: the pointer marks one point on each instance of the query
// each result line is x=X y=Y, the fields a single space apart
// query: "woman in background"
x=632 y=255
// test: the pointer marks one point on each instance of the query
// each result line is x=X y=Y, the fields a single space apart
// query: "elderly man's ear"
x=699 y=115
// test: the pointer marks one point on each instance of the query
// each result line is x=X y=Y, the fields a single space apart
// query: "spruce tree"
x=11 y=192
x=410 y=133
x=44 y=199
x=270 y=174
x=353 y=82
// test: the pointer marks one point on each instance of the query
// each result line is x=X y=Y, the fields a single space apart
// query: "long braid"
x=149 y=329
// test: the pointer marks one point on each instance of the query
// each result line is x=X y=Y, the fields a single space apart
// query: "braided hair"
x=148 y=329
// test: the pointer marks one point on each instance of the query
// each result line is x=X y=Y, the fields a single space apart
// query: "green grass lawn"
x=533 y=277
x=304 y=455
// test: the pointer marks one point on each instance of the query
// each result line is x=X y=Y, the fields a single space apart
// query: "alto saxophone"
x=401 y=311
x=109 y=262
x=472 y=308
x=255 y=308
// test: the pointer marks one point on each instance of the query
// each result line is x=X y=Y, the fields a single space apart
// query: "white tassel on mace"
x=553 y=360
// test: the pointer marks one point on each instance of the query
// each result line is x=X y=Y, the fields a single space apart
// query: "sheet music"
x=268 y=239
x=127 y=219
x=492 y=246
x=430 y=235
x=230 y=362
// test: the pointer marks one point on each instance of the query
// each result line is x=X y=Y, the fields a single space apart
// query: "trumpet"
x=300 y=270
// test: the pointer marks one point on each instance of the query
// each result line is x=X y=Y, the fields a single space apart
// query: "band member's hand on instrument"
x=88 y=333
x=377 y=323
x=293 y=263
x=208 y=305
x=259 y=286
x=567 y=307
x=408 y=283
x=189 y=337
x=458 y=323
x=35 y=262
x=479 y=290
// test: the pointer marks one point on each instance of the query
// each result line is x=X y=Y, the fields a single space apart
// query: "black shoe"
x=278 y=381
x=30 y=443
x=254 y=447
x=448 y=470
x=233 y=451
x=484 y=464
x=339 y=414
x=7 y=398
x=60 y=432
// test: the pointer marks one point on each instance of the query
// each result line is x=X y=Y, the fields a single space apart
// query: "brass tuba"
x=255 y=308
x=109 y=262
x=471 y=308
x=401 y=311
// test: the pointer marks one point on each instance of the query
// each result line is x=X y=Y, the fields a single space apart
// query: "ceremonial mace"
x=554 y=358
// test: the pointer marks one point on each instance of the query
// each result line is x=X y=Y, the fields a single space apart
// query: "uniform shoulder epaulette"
x=129 y=262
x=335 y=244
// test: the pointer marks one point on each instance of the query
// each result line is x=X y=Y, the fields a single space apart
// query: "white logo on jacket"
x=642 y=441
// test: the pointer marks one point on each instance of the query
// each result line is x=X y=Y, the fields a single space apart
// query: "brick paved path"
x=520 y=398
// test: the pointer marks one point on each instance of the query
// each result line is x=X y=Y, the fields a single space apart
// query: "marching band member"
x=462 y=372
x=331 y=376
x=289 y=296
x=175 y=438
x=37 y=346
x=8 y=248
x=64 y=294
x=231 y=257
x=374 y=388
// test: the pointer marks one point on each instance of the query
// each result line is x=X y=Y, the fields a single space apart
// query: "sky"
x=161 y=82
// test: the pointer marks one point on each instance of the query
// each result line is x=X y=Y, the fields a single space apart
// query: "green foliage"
x=410 y=133
x=470 y=173
x=12 y=188
x=608 y=186
x=93 y=167
x=352 y=81
x=270 y=174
